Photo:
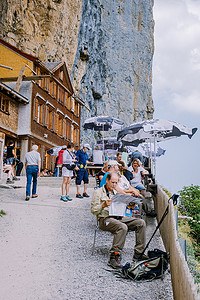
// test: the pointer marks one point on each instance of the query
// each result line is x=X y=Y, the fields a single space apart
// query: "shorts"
x=140 y=187
x=82 y=174
x=10 y=161
x=66 y=172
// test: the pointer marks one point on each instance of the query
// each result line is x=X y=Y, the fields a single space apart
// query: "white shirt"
x=137 y=179
x=123 y=183
x=67 y=158
x=32 y=158
x=98 y=157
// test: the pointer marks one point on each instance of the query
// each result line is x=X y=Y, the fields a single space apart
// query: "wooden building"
x=47 y=114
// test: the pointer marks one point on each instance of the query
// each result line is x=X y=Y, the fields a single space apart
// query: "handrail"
x=182 y=280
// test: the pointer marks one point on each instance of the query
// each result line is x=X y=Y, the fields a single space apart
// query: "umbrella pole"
x=103 y=139
x=154 y=155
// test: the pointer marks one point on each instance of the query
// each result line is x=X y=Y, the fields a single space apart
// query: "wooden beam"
x=24 y=78
x=19 y=79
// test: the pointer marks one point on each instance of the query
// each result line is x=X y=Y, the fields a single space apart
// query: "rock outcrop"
x=47 y=29
x=107 y=45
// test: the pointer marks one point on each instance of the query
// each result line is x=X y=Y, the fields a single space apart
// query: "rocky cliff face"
x=47 y=29
x=113 y=65
x=108 y=46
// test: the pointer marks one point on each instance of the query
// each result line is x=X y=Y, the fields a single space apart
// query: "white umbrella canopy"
x=103 y=123
x=55 y=150
x=153 y=130
x=146 y=149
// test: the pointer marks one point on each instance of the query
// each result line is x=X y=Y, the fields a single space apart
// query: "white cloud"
x=176 y=68
x=190 y=103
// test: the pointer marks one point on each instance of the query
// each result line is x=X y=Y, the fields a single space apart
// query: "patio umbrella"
x=55 y=150
x=153 y=131
x=103 y=123
x=112 y=145
x=145 y=149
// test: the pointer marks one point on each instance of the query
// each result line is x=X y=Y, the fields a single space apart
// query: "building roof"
x=15 y=49
x=7 y=90
x=52 y=65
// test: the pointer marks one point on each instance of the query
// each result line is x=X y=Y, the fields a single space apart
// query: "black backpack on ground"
x=152 y=268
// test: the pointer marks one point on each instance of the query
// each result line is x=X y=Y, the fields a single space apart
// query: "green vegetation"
x=2 y=213
x=190 y=206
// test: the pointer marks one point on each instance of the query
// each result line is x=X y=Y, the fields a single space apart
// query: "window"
x=53 y=88
x=68 y=101
x=61 y=75
x=68 y=130
x=39 y=114
x=61 y=95
x=4 y=104
x=75 y=135
x=60 y=126
x=76 y=111
x=45 y=84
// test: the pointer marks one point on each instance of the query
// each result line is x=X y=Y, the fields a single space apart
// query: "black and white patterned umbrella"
x=150 y=130
x=103 y=123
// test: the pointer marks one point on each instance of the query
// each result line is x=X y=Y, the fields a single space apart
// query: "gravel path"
x=46 y=247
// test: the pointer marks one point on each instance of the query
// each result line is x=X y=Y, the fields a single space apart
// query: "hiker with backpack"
x=117 y=225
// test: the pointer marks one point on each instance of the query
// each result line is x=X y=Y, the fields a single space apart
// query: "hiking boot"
x=69 y=198
x=86 y=195
x=15 y=178
x=138 y=256
x=79 y=196
x=8 y=181
x=114 y=261
x=64 y=198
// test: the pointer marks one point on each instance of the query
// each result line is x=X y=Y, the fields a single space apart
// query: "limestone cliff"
x=47 y=29
x=107 y=45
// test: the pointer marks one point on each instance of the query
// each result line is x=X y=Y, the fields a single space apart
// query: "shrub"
x=190 y=206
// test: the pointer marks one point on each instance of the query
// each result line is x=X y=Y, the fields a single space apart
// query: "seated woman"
x=138 y=171
x=103 y=171
x=9 y=171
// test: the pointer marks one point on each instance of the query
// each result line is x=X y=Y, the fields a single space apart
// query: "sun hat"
x=87 y=146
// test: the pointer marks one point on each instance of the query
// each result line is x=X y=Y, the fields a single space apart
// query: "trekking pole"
x=174 y=197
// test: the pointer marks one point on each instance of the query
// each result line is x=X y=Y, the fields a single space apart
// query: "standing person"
x=10 y=157
x=82 y=174
x=32 y=165
x=67 y=172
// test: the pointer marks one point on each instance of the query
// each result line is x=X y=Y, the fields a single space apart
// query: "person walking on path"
x=67 y=172
x=32 y=165
x=118 y=226
x=82 y=173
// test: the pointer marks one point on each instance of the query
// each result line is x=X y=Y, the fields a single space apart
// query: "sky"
x=176 y=88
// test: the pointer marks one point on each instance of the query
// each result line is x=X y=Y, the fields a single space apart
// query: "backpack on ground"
x=149 y=269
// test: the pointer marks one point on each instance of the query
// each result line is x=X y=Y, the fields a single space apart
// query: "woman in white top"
x=138 y=171
x=67 y=174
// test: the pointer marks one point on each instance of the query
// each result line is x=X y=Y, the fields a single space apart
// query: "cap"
x=87 y=146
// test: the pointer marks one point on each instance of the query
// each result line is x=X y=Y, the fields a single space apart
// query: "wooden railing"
x=183 y=284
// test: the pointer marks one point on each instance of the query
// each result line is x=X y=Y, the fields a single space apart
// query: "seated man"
x=118 y=226
x=9 y=171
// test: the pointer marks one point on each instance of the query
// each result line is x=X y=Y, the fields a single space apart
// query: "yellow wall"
x=14 y=60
